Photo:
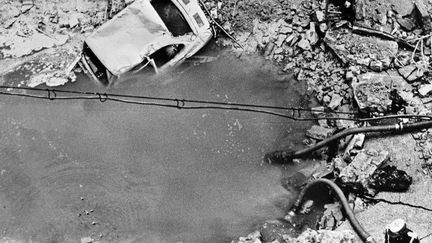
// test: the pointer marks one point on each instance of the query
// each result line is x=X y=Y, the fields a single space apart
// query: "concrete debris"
x=310 y=236
x=411 y=73
x=373 y=91
x=358 y=173
x=304 y=44
x=424 y=16
x=425 y=90
x=254 y=237
x=319 y=133
x=276 y=230
x=332 y=216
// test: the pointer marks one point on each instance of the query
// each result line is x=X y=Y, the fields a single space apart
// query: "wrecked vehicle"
x=148 y=36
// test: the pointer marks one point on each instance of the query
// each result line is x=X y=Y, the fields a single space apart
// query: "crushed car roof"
x=119 y=42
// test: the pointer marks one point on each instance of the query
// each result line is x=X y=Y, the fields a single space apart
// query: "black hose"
x=287 y=156
x=364 y=235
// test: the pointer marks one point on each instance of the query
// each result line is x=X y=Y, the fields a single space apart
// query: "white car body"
x=142 y=33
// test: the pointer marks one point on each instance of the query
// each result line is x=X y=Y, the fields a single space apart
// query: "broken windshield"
x=172 y=17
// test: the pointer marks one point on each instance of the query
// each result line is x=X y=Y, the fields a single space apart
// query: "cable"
x=296 y=112
x=364 y=235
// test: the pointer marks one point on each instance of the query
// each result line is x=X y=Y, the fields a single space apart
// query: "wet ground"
x=118 y=172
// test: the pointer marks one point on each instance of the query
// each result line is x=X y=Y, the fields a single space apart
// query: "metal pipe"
x=364 y=235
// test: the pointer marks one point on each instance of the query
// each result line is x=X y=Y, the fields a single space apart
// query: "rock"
x=319 y=133
x=332 y=216
x=319 y=15
x=376 y=66
x=285 y=30
x=424 y=16
x=356 y=143
x=323 y=27
x=425 y=89
x=407 y=23
x=411 y=73
x=73 y=21
x=280 y=40
x=26 y=5
x=372 y=92
x=325 y=236
x=358 y=173
x=254 y=237
x=87 y=240
x=360 y=11
x=390 y=179
x=403 y=7
x=304 y=44
x=349 y=76
x=273 y=230
x=335 y=102
x=311 y=35
x=306 y=207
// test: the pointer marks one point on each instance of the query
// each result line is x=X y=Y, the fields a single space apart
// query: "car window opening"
x=96 y=66
x=172 y=17
x=165 y=54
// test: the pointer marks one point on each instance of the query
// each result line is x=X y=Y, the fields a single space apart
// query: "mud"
x=117 y=172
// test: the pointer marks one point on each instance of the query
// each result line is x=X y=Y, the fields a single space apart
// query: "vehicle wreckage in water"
x=148 y=36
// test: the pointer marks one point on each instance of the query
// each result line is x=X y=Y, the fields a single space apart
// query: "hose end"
x=279 y=157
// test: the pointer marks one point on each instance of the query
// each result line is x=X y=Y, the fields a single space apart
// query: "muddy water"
x=117 y=172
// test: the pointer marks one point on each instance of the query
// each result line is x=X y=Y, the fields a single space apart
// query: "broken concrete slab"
x=358 y=173
x=411 y=73
x=372 y=92
x=319 y=132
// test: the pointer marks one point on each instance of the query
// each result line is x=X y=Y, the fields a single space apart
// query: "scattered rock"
x=310 y=235
x=332 y=216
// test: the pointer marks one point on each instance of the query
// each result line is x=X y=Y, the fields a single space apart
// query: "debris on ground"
x=357 y=174
x=389 y=178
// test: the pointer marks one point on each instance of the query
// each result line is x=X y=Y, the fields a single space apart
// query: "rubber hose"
x=364 y=235
x=384 y=128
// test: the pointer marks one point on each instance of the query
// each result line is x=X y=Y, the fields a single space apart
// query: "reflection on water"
x=117 y=172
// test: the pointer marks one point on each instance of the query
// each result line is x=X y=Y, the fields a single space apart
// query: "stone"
x=254 y=237
x=273 y=230
x=319 y=133
x=411 y=73
x=360 y=11
x=424 y=16
x=87 y=240
x=407 y=23
x=280 y=40
x=304 y=44
x=73 y=21
x=372 y=92
x=376 y=66
x=312 y=35
x=320 y=17
x=325 y=236
x=358 y=173
x=335 y=102
x=285 y=30
x=332 y=216
x=349 y=76
x=425 y=90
